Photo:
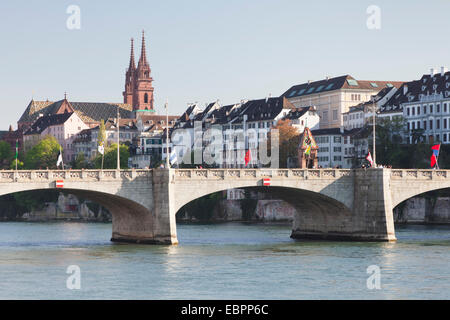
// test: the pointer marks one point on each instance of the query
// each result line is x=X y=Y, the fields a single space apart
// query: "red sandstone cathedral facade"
x=138 y=82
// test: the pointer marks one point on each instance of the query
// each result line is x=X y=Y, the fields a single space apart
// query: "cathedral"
x=138 y=82
x=138 y=100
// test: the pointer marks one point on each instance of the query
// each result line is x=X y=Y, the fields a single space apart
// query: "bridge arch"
x=312 y=209
x=126 y=194
x=406 y=184
x=323 y=205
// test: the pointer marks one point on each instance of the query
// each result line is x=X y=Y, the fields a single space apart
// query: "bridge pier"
x=153 y=225
x=368 y=218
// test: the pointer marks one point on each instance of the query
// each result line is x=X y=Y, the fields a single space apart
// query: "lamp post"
x=373 y=125
x=118 y=140
x=167 y=134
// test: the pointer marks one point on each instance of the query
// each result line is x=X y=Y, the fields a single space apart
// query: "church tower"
x=143 y=90
x=138 y=83
x=129 y=78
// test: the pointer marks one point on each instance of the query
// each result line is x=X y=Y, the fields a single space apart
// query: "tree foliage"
x=289 y=140
x=101 y=139
x=203 y=208
x=110 y=159
x=43 y=155
x=5 y=154
x=80 y=162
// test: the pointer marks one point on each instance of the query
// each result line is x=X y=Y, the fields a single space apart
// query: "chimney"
x=309 y=81
x=405 y=89
x=431 y=72
x=327 y=78
x=443 y=71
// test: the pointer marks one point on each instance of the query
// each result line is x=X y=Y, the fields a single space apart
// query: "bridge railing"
x=261 y=173
x=70 y=175
x=419 y=174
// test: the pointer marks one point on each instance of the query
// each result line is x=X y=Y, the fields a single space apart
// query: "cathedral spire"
x=132 y=66
x=143 y=58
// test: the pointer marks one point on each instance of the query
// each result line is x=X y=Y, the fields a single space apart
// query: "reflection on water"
x=222 y=261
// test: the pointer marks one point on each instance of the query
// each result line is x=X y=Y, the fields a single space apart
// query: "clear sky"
x=208 y=50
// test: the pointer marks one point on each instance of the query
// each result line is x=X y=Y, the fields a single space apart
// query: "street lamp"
x=167 y=133
x=118 y=140
x=373 y=125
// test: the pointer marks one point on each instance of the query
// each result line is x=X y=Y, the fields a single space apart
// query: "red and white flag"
x=266 y=182
x=369 y=158
x=248 y=157
x=59 y=183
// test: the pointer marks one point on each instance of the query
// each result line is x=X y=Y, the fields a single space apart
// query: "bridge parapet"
x=71 y=175
x=419 y=174
x=221 y=174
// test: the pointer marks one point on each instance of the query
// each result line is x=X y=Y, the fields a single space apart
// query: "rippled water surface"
x=221 y=261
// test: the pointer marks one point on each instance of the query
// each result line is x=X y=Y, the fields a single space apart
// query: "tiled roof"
x=416 y=90
x=46 y=121
x=265 y=109
x=336 y=131
x=342 y=82
x=298 y=112
x=87 y=111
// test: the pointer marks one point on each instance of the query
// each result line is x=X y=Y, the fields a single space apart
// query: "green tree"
x=12 y=165
x=101 y=139
x=5 y=154
x=80 y=162
x=110 y=160
x=203 y=208
x=43 y=155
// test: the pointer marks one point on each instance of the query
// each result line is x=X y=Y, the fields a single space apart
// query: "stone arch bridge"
x=335 y=204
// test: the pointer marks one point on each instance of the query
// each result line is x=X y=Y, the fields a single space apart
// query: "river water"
x=219 y=261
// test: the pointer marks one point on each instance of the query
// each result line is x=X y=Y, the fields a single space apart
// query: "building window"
x=407 y=111
x=408 y=126
x=445 y=107
x=325 y=116
x=418 y=110
x=444 y=136
x=413 y=110
x=438 y=108
x=418 y=124
x=424 y=109
x=431 y=124
x=337 y=139
x=335 y=114
x=445 y=123
x=431 y=108
x=425 y=125
x=438 y=124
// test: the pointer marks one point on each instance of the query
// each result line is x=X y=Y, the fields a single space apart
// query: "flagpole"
x=437 y=158
x=62 y=160
x=167 y=134
x=17 y=151
x=373 y=123
x=103 y=156
x=118 y=140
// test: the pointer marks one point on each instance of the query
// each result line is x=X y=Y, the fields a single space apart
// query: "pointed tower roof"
x=132 y=65
x=143 y=58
